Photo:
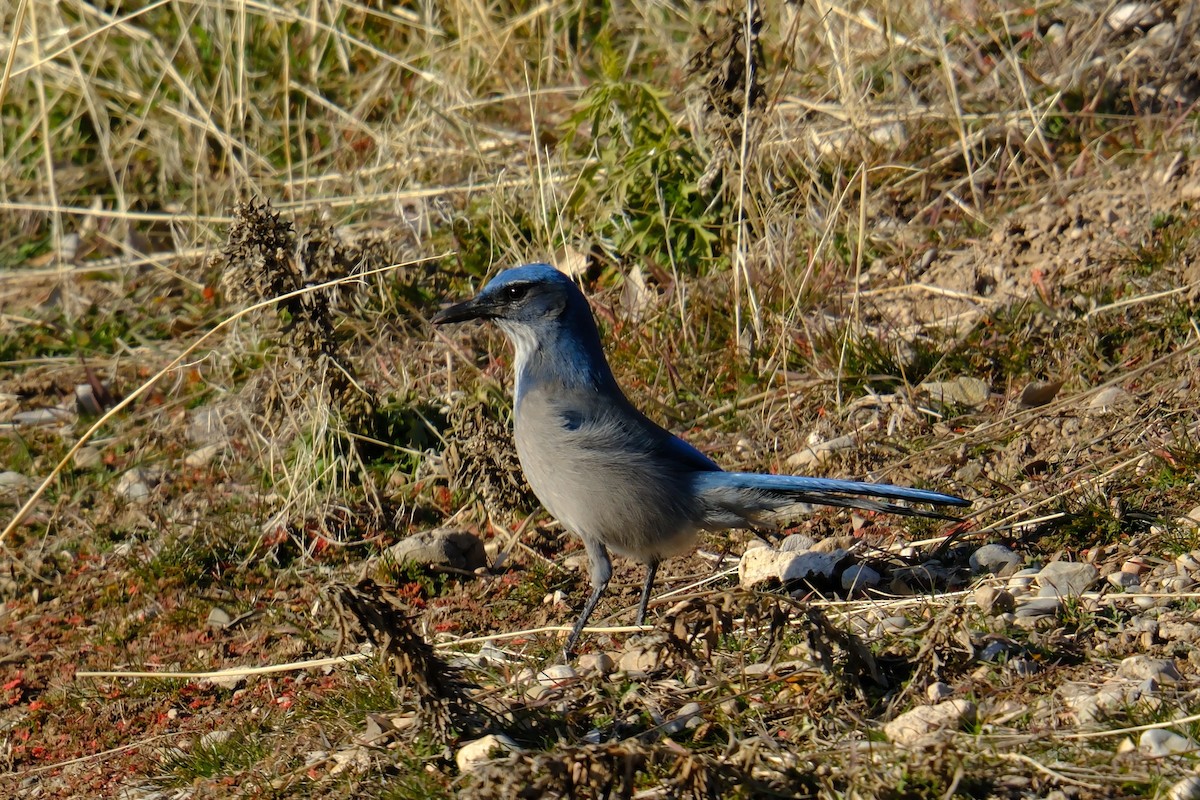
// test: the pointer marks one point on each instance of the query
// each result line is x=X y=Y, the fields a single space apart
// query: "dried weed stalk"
x=387 y=623
x=263 y=258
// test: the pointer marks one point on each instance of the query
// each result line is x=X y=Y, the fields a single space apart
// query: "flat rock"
x=475 y=754
x=688 y=717
x=1123 y=580
x=1065 y=579
x=915 y=726
x=1143 y=667
x=1159 y=742
x=758 y=567
x=1039 y=607
x=993 y=601
x=859 y=577
x=448 y=547
x=809 y=565
x=992 y=558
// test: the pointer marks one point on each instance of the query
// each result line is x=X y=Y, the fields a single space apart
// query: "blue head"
x=547 y=319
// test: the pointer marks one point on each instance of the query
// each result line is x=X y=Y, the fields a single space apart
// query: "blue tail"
x=749 y=494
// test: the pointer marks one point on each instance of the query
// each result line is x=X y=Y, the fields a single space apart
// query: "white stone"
x=809 y=565
x=557 y=675
x=992 y=558
x=1159 y=742
x=1186 y=789
x=477 y=753
x=1142 y=667
x=1065 y=579
x=758 y=566
x=911 y=727
x=859 y=576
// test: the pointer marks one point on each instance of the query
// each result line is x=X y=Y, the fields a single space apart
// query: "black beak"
x=471 y=309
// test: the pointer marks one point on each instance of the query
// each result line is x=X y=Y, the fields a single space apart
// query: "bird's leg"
x=651 y=571
x=600 y=566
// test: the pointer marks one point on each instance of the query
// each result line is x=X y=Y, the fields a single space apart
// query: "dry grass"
x=793 y=220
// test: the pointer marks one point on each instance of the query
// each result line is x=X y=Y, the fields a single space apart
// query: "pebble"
x=557 y=675
x=994 y=601
x=134 y=485
x=1186 y=789
x=449 y=547
x=39 y=416
x=809 y=565
x=480 y=751
x=912 y=727
x=1123 y=580
x=1039 y=607
x=993 y=650
x=938 y=691
x=1021 y=580
x=639 y=661
x=992 y=558
x=757 y=567
x=1109 y=399
x=87 y=457
x=1159 y=742
x=688 y=717
x=1130 y=15
x=596 y=664
x=860 y=577
x=1143 y=667
x=1065 y=579
x=203 y=456
x=796 y=543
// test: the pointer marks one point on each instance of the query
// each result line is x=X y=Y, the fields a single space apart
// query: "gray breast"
x=601 y=477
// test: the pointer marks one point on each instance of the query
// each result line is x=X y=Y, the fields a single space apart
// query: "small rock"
x=596 y=664
x=1142 y=667
x=639 y=661
x=938 y=691
x=557 y=675
x=218 y=618
x=12 y=481
x=1109 y=399
x=1130 y=15
x=1022 y=579
x=1186 y=789
x=87 y=457
x=1188 y=562
x=473 y=755
x=994 y=601
x=758 y=567
x=796 y=543
x=809 y=565
x=1065 y=579
x=993 y=650
x=1158 y=743
x=350 y=759
x=134 y=485
x=911 y=727
x=1123 y=580
x=688 y=717
x=1039 y=393
x=447 y=547
x=992 y=558
x=40 y=416
x=1039 y=607
x=834 y=545
x=86 y=402
x=860 y=577
x=203 y=456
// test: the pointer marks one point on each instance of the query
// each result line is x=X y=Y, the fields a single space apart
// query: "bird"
x=608 y=473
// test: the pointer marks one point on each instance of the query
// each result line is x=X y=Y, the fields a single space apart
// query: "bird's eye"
x=516 y=291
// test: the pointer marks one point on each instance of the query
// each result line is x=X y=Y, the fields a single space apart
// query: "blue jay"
x=609 y=474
